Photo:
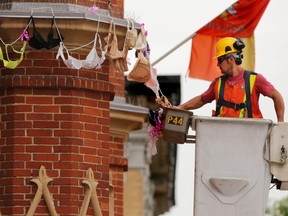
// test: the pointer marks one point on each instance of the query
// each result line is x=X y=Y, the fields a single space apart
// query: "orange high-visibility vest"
x=239 y=100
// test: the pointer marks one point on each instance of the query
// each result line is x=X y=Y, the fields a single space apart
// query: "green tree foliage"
x=278 y=208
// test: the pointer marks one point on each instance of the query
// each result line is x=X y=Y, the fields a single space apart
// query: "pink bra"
x=92 y=60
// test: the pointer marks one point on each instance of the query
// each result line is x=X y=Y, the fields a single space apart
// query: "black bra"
x=37 y=41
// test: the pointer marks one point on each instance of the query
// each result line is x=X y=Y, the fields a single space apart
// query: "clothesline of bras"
x=92 y=60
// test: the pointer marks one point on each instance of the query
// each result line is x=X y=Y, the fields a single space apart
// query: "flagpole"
x=173 y=49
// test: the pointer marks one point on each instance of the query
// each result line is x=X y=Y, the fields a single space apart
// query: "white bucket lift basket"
x=231 y=175
x=278 y=154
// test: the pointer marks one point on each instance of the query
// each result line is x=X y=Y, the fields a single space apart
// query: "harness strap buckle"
x=239 y=106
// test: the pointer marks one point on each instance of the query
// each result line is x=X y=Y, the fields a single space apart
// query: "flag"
x=248 y=62
x=239 y=20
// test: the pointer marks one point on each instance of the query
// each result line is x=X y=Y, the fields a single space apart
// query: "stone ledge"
x=125 y=118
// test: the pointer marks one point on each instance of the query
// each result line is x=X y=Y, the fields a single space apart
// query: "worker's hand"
x=175 y=107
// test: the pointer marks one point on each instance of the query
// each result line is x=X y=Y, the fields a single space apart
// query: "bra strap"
x=1 y=54
x=108 y=43
x=96 y=34
x=33 y=23
x=100 y=43
x=61 y=38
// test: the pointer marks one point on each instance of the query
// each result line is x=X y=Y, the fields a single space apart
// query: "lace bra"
x=12 y=64
x=92 y=60
x=38 y=42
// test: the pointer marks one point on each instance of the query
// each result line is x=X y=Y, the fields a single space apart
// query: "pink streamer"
x=94 y=9
x=153 y=134
x=153 y=83
x=25 y=36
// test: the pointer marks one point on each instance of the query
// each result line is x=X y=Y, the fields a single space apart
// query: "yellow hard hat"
x=228 y=45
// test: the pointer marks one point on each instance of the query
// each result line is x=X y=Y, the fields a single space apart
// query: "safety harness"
x=249 y=78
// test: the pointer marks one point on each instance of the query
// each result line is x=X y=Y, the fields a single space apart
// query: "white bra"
x=92 y=59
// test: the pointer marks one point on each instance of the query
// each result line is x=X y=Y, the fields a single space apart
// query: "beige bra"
x=118 y=57
x=113 y=51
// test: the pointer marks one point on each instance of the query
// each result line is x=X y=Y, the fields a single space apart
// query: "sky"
x=169 y=23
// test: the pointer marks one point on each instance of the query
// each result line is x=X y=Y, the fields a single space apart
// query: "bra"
x=113 y=51
x=38 y=42
x=92 y=60
x=12 y=64
x=118 y=57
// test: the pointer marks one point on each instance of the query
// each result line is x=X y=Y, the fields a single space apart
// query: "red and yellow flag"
x=239 y=20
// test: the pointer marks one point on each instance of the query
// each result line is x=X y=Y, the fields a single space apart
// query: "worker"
x=237 y=91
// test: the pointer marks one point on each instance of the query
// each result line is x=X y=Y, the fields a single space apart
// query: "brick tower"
x=60 y=150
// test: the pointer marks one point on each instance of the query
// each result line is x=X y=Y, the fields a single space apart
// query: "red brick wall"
x=116 y=9
x=59 y=118
x=118 y=166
